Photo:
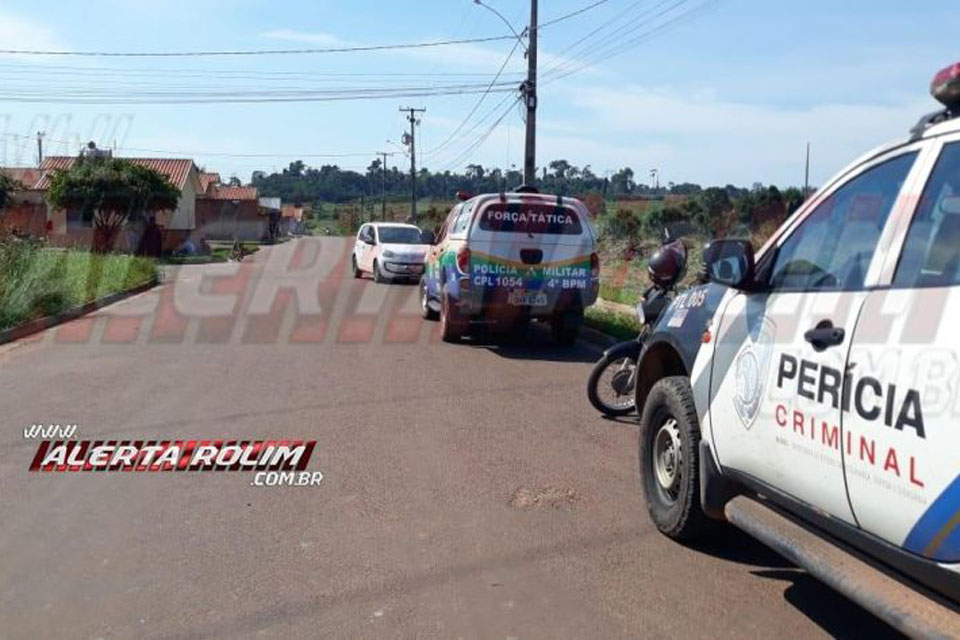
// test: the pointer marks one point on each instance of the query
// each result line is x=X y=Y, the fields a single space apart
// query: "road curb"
x=41 y=324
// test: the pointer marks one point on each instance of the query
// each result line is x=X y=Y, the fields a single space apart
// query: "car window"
x=530 y=218
x=832 y=248
x=362 y=235
x=931 y=253
x=399 y=235
x=463 y=219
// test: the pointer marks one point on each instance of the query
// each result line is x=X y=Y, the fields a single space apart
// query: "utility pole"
x=40 y=135
x=414 y=121
x=383 y=186
x=806 y=176
x=529 y=90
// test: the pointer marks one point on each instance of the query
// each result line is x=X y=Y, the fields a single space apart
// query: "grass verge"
x=37 y=282
x=621 y=326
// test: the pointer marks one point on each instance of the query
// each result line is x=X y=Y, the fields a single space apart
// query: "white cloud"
x=700 y=137
x=20 y=33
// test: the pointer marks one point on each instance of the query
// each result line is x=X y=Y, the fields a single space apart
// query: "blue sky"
x=731 y=95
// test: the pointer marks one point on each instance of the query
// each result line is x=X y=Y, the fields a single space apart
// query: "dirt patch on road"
x=544 y=498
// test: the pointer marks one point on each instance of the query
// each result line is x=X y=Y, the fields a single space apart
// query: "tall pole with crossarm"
x=414 y=121
x=530 y=97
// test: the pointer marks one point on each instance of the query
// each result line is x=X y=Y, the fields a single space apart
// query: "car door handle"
x=825 y=335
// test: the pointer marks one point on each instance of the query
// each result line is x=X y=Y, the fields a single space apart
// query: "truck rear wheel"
x=669 y=464
x=452 y=325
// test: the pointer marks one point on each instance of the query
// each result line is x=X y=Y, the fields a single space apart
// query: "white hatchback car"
x=390 y=251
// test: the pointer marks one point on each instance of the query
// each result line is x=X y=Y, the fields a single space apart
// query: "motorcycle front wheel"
x=611 y=385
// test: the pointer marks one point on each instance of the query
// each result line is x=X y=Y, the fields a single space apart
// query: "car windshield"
x=400 y=235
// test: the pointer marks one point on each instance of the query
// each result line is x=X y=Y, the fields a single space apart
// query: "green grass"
x=37 y=282
x=618 y=325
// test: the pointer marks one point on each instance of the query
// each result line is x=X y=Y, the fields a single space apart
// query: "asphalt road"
x=469 y=491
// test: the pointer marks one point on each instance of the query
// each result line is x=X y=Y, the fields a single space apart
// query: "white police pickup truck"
x=810 y=393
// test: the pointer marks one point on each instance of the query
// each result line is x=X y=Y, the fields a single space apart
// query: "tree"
x=560 y=168
x=622 y=181
x=7 y=186
x=111 y=192
x=234 y=181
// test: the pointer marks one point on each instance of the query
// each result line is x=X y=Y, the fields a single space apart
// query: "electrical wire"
x=572 y=14
x=483 y=138
x=479 y=102
x=618 y=48
x=261 y=52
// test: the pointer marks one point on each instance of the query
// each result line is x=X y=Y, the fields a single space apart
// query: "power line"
x=618 y=48
x=479 y=102
x=240 y=97
x=261 y=52
x=573 y=13
x=193 y=154
x=483 y=138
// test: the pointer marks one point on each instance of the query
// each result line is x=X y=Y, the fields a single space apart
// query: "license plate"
x=527 y=299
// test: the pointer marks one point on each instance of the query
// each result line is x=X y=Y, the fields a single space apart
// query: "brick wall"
x=28 y=218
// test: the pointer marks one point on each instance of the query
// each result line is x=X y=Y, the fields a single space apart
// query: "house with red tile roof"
x=68 y=228
x=230 y=213
x=206 y=208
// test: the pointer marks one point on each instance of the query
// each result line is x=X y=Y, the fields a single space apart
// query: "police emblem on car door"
x=751 y=367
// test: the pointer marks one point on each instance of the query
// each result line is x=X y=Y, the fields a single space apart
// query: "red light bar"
x=463 y=196
x=946 y=86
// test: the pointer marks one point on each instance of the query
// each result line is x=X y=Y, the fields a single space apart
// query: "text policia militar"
x=173 y=455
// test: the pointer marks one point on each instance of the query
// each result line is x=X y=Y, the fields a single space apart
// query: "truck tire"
x=425 y=311
x=669 y=460
x=452 y=325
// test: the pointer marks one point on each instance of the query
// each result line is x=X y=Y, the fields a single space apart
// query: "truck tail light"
x=463 y=260
x=946 y=87
x=594 y=265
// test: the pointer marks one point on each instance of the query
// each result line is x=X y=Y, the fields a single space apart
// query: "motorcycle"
x=612 y=382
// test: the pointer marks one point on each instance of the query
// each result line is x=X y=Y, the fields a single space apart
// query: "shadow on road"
x=536 y=343
x=831 y=611
x=840 y=619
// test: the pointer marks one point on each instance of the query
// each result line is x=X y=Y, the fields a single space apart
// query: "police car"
x=509 y=258
x=809 y=393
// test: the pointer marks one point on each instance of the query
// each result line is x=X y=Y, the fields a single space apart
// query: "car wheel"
x=452 y=325
x=425 y=310
x=566 y=326
x=356 y=268
x=669 y=465
x=377 y=276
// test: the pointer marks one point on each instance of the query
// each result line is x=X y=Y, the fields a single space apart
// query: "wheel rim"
x=616 y=384
x=668 y=459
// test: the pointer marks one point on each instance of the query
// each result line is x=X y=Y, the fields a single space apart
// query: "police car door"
x=902 y=460
x=777 y=376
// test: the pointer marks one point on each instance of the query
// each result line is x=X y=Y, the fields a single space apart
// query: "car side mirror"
x=730 y=263
x=371 y=241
